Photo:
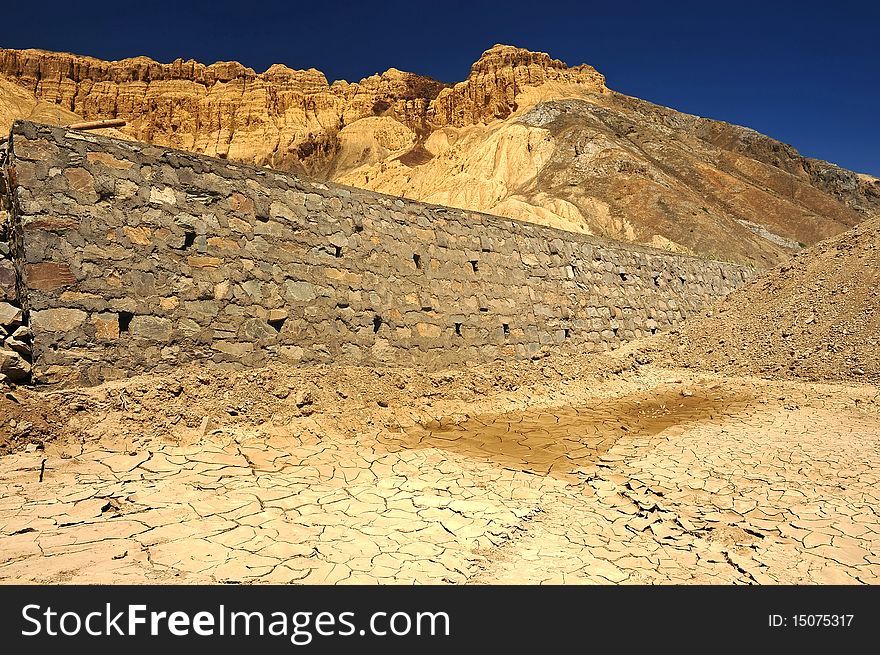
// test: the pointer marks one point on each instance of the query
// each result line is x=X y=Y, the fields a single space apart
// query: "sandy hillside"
x=817 y=316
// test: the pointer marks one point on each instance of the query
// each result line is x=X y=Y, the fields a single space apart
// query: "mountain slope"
x=816 y=316
x=17 y=102
x=524 y=136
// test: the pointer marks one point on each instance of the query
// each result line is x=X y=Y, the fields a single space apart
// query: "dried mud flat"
x=558 y=470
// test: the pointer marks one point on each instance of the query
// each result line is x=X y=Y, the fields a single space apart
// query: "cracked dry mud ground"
x=645 y=476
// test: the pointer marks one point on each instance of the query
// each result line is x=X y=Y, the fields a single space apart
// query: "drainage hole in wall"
x=567 y=332
x=377 y=323
x=615 y=331
x=277 y=324
x=337 y=251
x=458 y=329
x=653 y=330
x=623 y=277
x=189 y=238
x=475 y=265
x=506 y=328
x=417 y=260
x=125 y=321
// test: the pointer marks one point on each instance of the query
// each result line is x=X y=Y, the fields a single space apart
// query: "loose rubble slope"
x=817 y=316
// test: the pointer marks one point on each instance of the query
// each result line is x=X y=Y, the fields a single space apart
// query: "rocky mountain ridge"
x=523 y=136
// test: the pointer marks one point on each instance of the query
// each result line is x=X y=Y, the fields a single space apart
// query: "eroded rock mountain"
x=524 y=136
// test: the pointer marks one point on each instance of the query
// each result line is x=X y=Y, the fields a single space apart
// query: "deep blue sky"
x=806 y=72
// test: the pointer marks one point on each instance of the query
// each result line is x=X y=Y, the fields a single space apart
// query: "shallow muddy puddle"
x=557 y=441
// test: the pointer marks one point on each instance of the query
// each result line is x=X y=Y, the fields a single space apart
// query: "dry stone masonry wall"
x=137 y=258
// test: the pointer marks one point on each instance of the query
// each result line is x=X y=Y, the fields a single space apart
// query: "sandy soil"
x=817 y=316
x=594 y=470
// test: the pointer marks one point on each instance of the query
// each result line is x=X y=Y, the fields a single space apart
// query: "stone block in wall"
x=106 y=326
x=227 y=350
x=201 y=311
x=429 y=330
x=48 y=276
x=256 y=329
x=151 y=328
x=58 y=320
x=81 y=184
x=300 y=292
x=35 y=149
x=109 y=161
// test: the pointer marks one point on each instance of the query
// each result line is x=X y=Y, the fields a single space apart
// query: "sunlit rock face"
x=524 y=136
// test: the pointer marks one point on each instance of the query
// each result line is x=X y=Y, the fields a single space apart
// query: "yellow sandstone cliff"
x=523 y=136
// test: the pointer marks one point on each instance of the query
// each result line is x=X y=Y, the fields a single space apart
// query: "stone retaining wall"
x=139 y=258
